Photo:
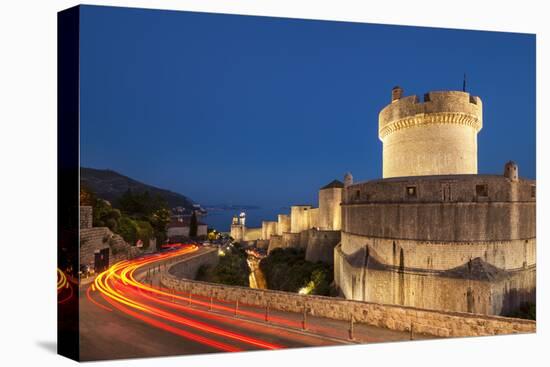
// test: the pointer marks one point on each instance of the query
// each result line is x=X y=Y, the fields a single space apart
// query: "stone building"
x=433 y=233
x=178 y=228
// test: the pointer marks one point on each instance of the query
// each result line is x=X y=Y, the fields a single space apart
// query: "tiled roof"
x=335 y=184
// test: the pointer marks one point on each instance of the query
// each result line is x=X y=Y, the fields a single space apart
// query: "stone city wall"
x=269 y=228
x=490 y=221
x=435 y=255
x=360 y=277
x=262 y=244
x=275 y=242
x=437 y=323
x=86 y=218
x=252 y=234
x=313 y=218
x=299 y=218
x=320 y=245
x=283 y=224
x=291 y=239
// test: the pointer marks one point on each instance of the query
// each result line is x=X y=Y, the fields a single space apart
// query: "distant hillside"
x=110 y=185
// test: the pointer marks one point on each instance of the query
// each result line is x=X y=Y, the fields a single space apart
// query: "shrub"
x=286 y=269
x=128 y=229
x=232 y=269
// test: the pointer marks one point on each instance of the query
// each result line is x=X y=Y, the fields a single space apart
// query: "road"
x=125 y=313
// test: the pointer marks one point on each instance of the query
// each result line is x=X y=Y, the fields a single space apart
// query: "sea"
x=220 y=220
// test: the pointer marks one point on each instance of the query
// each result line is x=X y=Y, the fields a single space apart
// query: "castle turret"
x=242 y=219
x=238 y=228
x=511 y=171
x=435 y=137
x=348 y=179
x=330 y=198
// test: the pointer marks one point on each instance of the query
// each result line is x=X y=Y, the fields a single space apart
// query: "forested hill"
x=110 y=185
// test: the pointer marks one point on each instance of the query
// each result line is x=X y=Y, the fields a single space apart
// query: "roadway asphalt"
x=161 y=325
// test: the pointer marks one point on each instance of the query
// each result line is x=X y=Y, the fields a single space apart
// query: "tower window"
x=533 y=191
x=357 y=194
x=482 y=190
x=411 y=191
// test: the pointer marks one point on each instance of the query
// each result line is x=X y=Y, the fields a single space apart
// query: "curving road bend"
x=123 y=315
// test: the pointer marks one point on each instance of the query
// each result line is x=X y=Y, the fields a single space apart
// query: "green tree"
x=159 y=220
x=128 y=229
x=145 y=232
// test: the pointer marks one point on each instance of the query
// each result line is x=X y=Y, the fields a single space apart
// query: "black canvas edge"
x=68 y=85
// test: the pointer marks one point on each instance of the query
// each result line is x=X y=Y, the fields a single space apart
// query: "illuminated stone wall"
x=269 y=228
x=299 y=218
x=283 y=224
x=313 y=218
x=438 y=255
x=252 y=234
x=496 y=292
x=330 y=214
x=275 y=242
x=291 y=239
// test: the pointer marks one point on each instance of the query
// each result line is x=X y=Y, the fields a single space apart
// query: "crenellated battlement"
x=437 y=107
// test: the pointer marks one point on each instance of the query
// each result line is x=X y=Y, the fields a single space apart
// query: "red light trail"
x=124 y=293
x=64 y=288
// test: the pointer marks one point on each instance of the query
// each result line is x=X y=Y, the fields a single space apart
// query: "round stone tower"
x=437 y=136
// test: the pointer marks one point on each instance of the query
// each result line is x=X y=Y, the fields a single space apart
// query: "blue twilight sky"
x=257 y=110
